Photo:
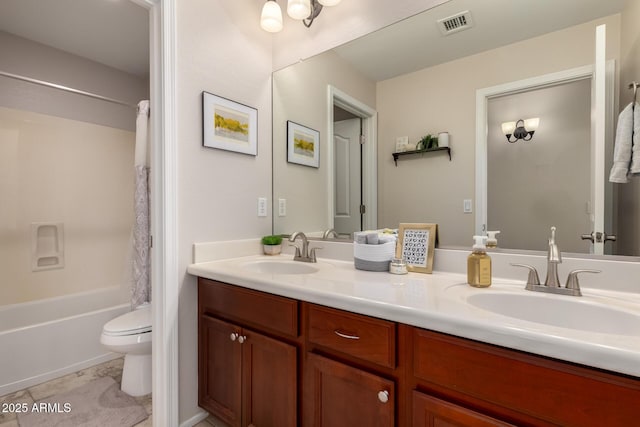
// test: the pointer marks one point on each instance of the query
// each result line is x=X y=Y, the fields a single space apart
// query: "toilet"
x=131 y=334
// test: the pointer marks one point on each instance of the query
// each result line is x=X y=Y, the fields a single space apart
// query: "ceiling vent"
x=455 y=23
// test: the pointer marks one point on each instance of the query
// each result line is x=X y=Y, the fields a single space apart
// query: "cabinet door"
x=431 y=412
x=269 y=372
x=338 y=395
x=219 y=367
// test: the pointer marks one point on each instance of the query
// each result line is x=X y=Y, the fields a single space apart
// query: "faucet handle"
x=297 y=255
x=312 y=253
x=572 y=279
x=532 y=278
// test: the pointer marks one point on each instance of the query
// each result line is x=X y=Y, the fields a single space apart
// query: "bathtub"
x=46 y=339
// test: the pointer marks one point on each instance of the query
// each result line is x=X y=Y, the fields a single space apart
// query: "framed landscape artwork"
x=229 y=125
x=303 y=145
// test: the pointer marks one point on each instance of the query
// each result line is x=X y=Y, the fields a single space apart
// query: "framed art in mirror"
x=416 y=243
x=229 y=125
x=303 y=145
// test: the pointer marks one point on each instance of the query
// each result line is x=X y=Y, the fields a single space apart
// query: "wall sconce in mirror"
x=522 y=129
x=301 y=10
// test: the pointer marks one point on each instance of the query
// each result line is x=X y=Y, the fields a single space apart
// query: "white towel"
x=623 y=145
x=635 y=151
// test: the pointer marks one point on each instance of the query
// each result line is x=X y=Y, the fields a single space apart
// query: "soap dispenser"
x=492 y=241
x=479 y=264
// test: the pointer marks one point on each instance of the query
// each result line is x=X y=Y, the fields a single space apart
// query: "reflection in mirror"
x=421 y=82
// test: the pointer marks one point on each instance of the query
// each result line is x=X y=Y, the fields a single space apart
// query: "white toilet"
x=131 y=334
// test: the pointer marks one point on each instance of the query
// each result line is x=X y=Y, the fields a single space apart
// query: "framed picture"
x=416 y=243
x=228 y=125
x=303 y=145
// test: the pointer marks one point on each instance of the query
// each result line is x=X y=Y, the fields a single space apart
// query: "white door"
x=348 y=187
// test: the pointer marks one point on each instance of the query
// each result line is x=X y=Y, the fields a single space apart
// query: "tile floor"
x=112 y=369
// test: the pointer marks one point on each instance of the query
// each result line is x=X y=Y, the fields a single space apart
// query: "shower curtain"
x=141 y=283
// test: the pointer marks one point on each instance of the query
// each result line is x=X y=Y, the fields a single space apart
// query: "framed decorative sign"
x=228 y=125
x=416 y=243
x=303 y=145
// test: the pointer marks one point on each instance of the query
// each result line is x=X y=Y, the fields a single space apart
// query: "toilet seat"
x=132 y=323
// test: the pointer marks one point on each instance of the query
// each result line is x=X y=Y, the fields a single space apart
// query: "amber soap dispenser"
x=479 y=264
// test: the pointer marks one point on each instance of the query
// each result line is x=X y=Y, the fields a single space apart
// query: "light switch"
x=262 y=206
x=466 y=206
x=282 y=207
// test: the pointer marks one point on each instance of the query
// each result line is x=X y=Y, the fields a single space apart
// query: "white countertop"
x=438 y=302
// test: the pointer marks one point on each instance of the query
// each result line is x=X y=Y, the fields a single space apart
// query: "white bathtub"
x=46 y=339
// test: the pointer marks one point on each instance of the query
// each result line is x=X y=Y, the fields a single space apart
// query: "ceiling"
x=111 y=32
x=417 y=43
x=116 y=32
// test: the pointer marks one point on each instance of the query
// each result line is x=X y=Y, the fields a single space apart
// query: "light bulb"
x=299 y=9
x=271 y=18
x=329 y=2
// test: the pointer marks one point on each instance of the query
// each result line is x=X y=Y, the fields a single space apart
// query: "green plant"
x=427 y=142
x=272 y=240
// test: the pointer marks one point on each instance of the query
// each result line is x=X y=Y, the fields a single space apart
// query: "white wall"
x=442 y=98
x=221 y=49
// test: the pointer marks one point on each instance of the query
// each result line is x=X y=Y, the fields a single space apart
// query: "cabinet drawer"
x=363 y=337
x=260 y=310
x=556 y=392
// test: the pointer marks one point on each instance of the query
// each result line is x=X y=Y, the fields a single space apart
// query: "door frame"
x=485 y=94
x=369 y=171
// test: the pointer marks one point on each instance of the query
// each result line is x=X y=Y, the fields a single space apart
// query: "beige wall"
x=300 y=95
x=64 y=158
x=76 y=173
x=628 y=230
x=442 y=98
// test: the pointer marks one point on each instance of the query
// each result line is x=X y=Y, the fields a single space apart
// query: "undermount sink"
x=279 y=267
x=563 y=311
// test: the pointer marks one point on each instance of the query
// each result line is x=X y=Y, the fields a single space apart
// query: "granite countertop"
x=439 y=302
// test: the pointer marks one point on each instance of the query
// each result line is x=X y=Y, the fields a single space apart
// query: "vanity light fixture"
x=301 y=10
x=522 y=129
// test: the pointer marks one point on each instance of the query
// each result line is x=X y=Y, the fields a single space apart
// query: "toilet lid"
x=134 y=322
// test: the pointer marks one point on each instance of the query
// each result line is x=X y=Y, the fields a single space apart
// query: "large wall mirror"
x=419 y=80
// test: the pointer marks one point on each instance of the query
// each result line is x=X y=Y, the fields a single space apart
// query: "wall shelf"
x=431 y=150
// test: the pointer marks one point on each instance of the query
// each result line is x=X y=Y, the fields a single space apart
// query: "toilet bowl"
x=131 y=334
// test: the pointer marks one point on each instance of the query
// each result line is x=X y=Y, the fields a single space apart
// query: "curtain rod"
x=66 y=88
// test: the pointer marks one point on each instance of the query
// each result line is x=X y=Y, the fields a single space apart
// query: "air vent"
x=455 y=23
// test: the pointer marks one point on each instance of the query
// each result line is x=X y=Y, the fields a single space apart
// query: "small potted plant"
x=272 y=245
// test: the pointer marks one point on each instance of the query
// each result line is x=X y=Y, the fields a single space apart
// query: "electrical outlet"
x=466 y=206
x=282 y=207
x=262 y=206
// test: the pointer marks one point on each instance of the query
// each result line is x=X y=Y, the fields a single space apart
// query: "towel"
x=624 y=143
x=635 y=151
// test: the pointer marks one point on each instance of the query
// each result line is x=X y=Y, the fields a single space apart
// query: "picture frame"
x=229 y=125
x=303 y=145
x=416 y=244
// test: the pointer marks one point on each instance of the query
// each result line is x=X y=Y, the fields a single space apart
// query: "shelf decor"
x=228 y=125
x=416 y=243
x=432 y=150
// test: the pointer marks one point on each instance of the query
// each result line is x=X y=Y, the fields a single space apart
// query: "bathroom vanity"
x=341 y=347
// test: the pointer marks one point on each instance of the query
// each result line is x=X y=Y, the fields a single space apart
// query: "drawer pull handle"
x=242 y=338
x=233 y=336
x=383 y=396
x=347 y=336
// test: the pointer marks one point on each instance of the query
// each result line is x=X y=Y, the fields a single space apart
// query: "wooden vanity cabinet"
x=247 y=356
x=351 y=370
x=516 y=387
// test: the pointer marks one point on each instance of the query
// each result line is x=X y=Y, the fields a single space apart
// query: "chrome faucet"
x=330 y=232
x=552 y=282
x=303 y=254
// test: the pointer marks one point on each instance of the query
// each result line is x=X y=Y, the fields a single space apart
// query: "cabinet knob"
x=383 y=396
x=242 y=338
x=233 y=336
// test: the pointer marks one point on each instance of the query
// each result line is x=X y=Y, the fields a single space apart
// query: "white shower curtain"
x=141 y=283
